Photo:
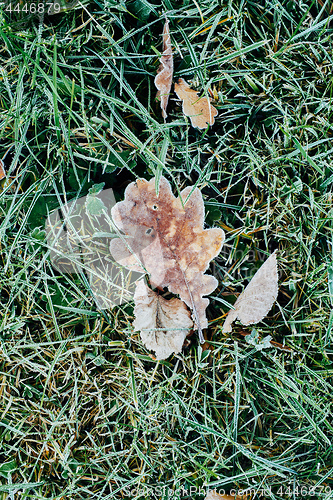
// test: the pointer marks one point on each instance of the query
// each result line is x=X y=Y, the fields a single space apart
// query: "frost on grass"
x=163 y=324
x=163 y=79
x=168 y=241
x=256 y=300
x=198 y=109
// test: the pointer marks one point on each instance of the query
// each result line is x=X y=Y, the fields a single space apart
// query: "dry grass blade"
x=198 y=109
x=258 y=297
x=163 y=324
x=2 y=170
x=163 y=79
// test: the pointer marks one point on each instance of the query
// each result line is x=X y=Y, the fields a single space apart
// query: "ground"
x=86 y=410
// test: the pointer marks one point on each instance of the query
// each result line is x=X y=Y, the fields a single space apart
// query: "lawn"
x=86 y=411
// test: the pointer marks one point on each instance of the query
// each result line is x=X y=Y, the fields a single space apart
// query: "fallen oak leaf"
x=198 y=109
x=163 y=79
x=257 y=299
x=168 y=241
x=163 y=324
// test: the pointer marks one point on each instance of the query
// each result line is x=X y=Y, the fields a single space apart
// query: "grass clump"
x=85 y=410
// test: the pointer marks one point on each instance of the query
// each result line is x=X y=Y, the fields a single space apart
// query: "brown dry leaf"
x=163 y=324
x=168 y=241
x=258 y=297
x=163 y=79
x=212 y=495
x=199 y=110
x=2 y=170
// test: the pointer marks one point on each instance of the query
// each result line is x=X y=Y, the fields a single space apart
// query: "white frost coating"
x=163 y=324
x=257 y=299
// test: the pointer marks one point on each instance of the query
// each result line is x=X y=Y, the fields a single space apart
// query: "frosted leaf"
x=163 y=79
x=256 y=300
x=199 y=110
x=163 y=324
x=168 y=240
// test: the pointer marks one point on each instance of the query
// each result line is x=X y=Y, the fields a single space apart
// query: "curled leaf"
x=168 y=241
x=163 y=79
x=198 y=109
x=256 y=300
x=163 y=324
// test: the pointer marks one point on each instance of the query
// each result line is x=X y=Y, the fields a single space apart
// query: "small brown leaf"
x=163 y=79
x=256 y=300
x=163 y=324
x=2 y=170
x=168 y=241
x=199 y=110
